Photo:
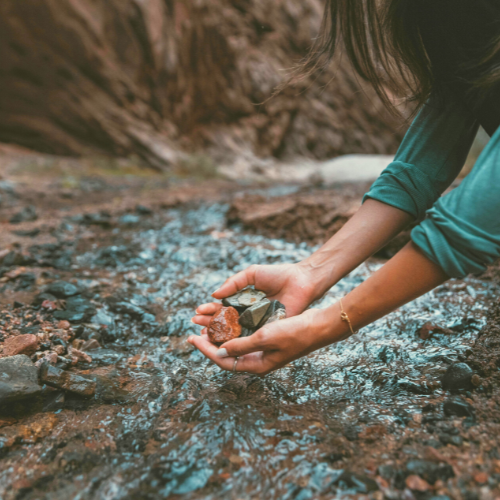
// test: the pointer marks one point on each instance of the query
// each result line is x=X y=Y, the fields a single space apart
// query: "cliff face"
x=152 y=77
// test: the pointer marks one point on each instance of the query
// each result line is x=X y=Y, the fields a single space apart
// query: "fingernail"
x=222 y=353
x=192 y=321
x=216 y=291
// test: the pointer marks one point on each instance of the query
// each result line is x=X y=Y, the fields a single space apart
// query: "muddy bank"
x=311 y=215
x=407 y=408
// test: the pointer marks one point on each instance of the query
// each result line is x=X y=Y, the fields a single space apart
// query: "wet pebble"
x=67 y=381
x=20 y=344
x=356 y=482
x=458 y=376
x=62 y=289
x=27 y=214
x=129 y=220
x=18 y=379
x=458 y=407
x=78 y=310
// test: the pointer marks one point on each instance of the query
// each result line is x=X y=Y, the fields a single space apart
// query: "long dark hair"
x=385 y=41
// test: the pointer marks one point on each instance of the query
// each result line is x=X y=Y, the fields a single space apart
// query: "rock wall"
x=155 y=77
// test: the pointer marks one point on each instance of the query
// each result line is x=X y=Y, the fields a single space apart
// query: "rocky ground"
x=101 y=397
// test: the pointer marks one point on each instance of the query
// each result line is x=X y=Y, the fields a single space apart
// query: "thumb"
x=244 y=345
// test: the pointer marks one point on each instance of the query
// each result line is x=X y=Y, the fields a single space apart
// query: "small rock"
x=357 y=482
x=67 y=381
x=91 y=344
x=129 y=220
x=49 y=305
x=448 y=439
x=481 y=477
x=458 y=376
x=21 y=344
x=59 y=350
x=127 y=308
x=142 y=210
x=77 y=343
x=416 y=483
x=224 y=326
x=80 y=355
x=50 y=357
x=243 y=299
x=18 y=379
x=54 y=402
x=273 y=312
x=27 y=214
x=253 y=315
x=28 y=233
x=277 y=316
x=64 y=325
x=427 y=330
x=62 y=289
x=78 y=310
x=458 y=407
x=476 y=380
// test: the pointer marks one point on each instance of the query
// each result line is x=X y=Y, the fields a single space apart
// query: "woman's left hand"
x=274 y=345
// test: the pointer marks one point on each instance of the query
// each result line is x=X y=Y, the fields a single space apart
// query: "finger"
x=210 y=309
x=244 y=345
x=201 y=320
x=236 y=283
x=251 y=363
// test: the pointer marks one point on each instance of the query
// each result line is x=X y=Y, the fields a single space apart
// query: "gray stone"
x=276 y=316
x=18 y=379
x=254 y=314
x=458 y=376
x=62 y=289
x=244 y=299
x=272 y=311
x=246 y=332
x=27 y=214
x=129 y=220
x=458 y=407
x=67 y=381
x=78 y=310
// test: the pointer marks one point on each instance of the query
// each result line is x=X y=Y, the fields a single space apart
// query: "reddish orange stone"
x=22 y=344
x=224 y=326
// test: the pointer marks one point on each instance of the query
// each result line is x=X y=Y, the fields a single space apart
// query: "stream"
x=167 y=423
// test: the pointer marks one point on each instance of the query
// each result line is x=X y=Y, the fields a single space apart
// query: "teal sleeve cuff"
x=458 y=247
x=403 y=186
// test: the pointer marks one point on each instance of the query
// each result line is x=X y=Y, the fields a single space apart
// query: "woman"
x=445 y=56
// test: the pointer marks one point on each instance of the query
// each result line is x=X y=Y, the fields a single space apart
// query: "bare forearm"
x=367 y=231
x=405 y=277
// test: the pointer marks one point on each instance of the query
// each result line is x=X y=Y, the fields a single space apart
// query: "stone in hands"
x=252 y=316
x=244 y=299
x=224 y=326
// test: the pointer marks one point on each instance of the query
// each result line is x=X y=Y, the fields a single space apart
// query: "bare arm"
x=373 y=226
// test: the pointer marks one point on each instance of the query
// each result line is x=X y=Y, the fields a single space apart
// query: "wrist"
x=322 y=271
x=330 y=327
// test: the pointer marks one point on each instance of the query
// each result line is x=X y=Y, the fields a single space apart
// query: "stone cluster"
x=243 y=314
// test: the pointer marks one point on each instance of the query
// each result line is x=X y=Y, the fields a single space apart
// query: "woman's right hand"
x=291 y=284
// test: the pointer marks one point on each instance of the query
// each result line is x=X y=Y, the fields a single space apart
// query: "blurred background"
x=180 y=90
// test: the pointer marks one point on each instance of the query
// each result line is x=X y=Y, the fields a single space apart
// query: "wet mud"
x=408 y=408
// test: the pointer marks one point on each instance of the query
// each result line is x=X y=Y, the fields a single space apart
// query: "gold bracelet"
x=344 y=317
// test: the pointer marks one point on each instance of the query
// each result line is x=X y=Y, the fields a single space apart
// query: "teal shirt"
x=461 y=230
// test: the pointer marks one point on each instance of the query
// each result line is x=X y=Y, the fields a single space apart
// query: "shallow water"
x=191 y=429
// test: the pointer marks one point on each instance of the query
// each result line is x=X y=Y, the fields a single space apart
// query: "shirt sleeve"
x=462 y=230
x=430 y=157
